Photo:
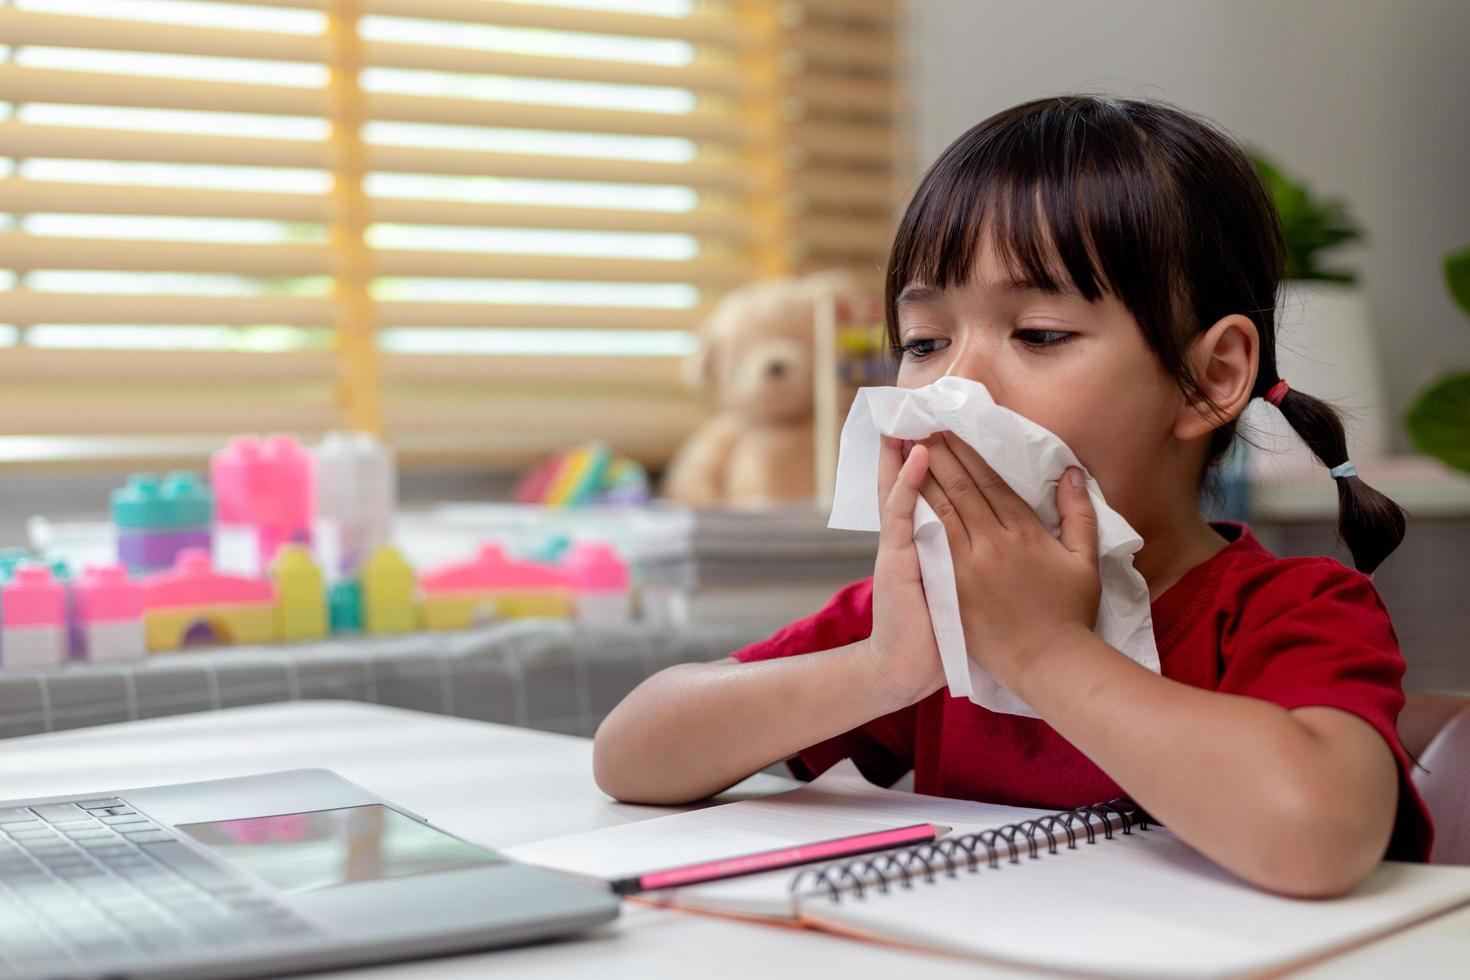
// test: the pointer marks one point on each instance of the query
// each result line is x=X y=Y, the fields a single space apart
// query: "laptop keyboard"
x=96 y=880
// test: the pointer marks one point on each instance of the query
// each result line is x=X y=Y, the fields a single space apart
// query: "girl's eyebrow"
x=915 y=294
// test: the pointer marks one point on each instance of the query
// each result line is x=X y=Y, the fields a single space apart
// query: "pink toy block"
x=593 y=566
x=491 y=570
x=602 y=582
x=269 y=485
x=193 y=582
x=34 y=598
x=105 y=593
x=108 y=616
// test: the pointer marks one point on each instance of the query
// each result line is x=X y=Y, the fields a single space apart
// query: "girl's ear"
x=1223 y=361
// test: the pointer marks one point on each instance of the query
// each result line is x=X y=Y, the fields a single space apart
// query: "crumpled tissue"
x=1031 y=460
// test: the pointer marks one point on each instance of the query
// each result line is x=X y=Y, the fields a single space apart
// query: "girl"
x=1107 y=268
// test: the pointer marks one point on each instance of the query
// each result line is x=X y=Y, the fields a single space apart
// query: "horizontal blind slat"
x=58 y=85
x=25 y=306
x=472 y=315
x=710 y=77
x=875 y=13
x=21 y=196
x=31 y=140
x=103 y=33
x=20 y=83
x=869 y=145
x=23 y=365
x=709 y=28
x=27 y=140
x=711 y=123
x=160 y=409
x=844 y=190
x=23 y=252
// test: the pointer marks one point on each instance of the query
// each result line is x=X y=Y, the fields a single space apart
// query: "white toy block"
x=356 y=493
x=120 y=641
x=31 y=647
x=605 y=608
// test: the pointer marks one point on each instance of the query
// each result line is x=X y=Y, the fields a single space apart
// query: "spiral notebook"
x=1088 y=891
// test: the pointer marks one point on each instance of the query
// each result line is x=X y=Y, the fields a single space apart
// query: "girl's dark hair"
x=1148 y=203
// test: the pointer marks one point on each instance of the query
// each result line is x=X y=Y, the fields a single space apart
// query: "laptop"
x=257 y=875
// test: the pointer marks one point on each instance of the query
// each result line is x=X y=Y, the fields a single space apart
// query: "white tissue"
x=1031 y=460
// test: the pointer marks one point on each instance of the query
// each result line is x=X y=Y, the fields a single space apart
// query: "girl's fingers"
x=959 y=487
x=896 y=524
x=1005 y=503
x=1079 y=518
x=944 y=509
x=890 y=458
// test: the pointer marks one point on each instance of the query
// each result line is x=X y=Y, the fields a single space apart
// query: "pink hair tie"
x=1278 y=391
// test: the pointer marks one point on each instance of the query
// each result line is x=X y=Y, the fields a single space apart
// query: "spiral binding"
x=882 y=869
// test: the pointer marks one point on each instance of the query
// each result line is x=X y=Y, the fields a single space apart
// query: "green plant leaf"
x=1457 y=274
x=1439 y=421
x=1309 y=224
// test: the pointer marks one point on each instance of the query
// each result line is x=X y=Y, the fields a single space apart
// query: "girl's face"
x=1081 y=370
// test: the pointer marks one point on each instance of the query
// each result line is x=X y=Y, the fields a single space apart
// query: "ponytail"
x=1369 y=523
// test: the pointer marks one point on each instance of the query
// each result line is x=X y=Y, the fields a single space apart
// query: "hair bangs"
x=1065 y=201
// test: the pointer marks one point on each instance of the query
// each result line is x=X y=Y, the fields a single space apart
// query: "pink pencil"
x=785 y=857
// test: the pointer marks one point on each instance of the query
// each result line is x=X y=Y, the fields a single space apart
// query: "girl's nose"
x=968 y=361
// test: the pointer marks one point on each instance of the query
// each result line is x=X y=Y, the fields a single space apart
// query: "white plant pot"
x=1325 y=347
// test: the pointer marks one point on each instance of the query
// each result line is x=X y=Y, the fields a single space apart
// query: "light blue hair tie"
x=1343 y=470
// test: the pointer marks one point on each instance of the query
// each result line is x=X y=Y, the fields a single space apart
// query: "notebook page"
x=1145 y=905
x=838 y=803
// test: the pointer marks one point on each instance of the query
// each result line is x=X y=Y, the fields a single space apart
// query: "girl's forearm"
x=692 y=730
x=1240 y=779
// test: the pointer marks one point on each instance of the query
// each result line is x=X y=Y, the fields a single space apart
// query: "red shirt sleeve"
x=1312 y=632
x=882 y=749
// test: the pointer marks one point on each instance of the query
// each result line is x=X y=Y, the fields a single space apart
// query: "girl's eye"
x=1035 y=337
x=917 y=350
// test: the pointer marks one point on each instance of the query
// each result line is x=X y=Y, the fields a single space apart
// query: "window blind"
x=485 y=229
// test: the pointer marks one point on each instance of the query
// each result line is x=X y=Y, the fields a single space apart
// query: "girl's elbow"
x=1315 y=853
x=1317 y=876
x=607 y=772
x=621 y=775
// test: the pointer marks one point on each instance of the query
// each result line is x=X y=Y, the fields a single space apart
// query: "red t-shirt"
x=1292 y=631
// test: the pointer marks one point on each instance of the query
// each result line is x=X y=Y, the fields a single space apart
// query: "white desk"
x=501 y=786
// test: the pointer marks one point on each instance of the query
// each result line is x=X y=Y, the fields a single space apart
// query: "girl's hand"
x=902 y=646
x=1022 y=592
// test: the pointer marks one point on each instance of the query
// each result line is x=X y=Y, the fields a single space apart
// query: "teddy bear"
x=755 y=362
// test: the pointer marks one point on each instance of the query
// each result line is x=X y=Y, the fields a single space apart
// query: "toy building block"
x=108 y=613
x=301 y=599
x=156 y=520
x=33 y=618
x=589 y=474
x=356 y=493
x=13 y=558
x=388 y=593
x=580 y=476
x=192 y=599
x=268 y=486
x=492 y=586
x=602 y=583
x=344 y=605
x=626 y=484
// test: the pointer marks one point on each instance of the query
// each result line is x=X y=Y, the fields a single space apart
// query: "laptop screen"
x=299 y=852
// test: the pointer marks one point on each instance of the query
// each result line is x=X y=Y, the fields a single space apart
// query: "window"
x=483 y=228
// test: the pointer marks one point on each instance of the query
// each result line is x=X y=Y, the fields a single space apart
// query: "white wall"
x=1367 y=99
